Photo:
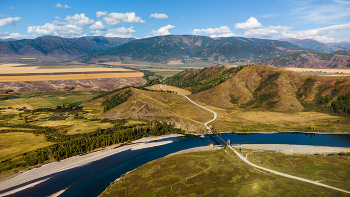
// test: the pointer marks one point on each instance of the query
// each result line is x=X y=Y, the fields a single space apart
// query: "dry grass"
x=67 y=77
x=174 y=62
x=16 y=68
x=14 y=144
x=210 y=173
x=238 y=119
x=177 y=90
x=320 y=70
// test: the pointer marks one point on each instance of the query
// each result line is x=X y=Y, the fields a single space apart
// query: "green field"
x=211 y=173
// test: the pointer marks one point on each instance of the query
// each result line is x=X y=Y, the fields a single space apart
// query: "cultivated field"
x=312 y=71
x=20 y=72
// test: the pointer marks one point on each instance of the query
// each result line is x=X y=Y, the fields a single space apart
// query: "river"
x=91 y=179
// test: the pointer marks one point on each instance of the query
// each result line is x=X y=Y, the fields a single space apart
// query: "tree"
x=32 y=112
x=25 y=119
x=20 y=114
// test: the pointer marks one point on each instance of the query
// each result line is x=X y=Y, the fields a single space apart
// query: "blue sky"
x=323 y=20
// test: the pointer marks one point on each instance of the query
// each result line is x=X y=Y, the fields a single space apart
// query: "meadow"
x=216 y=173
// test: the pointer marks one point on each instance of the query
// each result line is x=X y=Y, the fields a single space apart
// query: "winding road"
x=256 y=166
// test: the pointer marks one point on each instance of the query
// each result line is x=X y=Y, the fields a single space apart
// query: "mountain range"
x=161 y=49
x=231 y=49
x=57 y=47
x=318 y=46
x=312 y=59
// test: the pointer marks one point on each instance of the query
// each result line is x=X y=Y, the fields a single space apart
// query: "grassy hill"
x=269 y=98
x=304 y=59
x=163 y=107
x=164 y=48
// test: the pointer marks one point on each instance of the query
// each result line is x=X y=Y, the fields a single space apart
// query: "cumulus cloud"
x=115 y=19
x=251 y=23
x=58 y=5
x=57 y=30
x=17 y=36
x=159 y=16
x=224 y=31
x=9 y=21
x=321 y=34
x=69 y=26
x=270 y=32
x=98 y=25
x=162 y=31
x=121 y=32
x=79 y=19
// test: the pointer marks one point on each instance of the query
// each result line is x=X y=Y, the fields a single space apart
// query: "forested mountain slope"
x=57 y=47
x=231 y=49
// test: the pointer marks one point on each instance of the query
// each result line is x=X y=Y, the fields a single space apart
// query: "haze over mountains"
x=161 y=49
x=318 y=46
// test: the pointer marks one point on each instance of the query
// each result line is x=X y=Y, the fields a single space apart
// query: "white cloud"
x=79 y=20
x=224 y=31
x=100 y=14
x=2 y=15
x=58 y=18
x=323 y=12
x=324 y=34
x=231 y=34
x=251 y=23
x=58 y=5
x=10 y=8
x=163 y=31
x=115 y=19
x=17 y=36
x=9 y=21
x=270 y=32
x=159 y=16
x=320 y=34
x=98 y=25
x=97 y=33
x=121 y=32
x=57 y=30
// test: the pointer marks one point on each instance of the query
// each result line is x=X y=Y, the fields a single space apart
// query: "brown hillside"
x=274 y=89
x=163 y=107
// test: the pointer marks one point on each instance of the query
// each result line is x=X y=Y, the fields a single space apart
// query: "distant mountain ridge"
x=57 y=47
x=318 y=46
x=230 y=49
x=309 y=59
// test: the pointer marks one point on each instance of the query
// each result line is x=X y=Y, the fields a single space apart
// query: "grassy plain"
x=210 y=173
x=236 y=120
x=16 y=143
x=331 y=169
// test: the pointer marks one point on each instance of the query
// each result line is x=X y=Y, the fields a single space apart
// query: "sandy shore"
x=76 y=161
x=295 y=149
x=197 y=149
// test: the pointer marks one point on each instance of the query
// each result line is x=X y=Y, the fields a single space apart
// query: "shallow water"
x=93 y=178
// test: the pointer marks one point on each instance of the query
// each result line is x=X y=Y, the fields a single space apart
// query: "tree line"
x=70 y=145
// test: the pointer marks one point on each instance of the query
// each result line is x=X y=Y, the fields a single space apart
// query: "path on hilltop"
x=256 y=166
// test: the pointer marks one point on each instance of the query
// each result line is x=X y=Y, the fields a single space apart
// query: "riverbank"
x=28 y=177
